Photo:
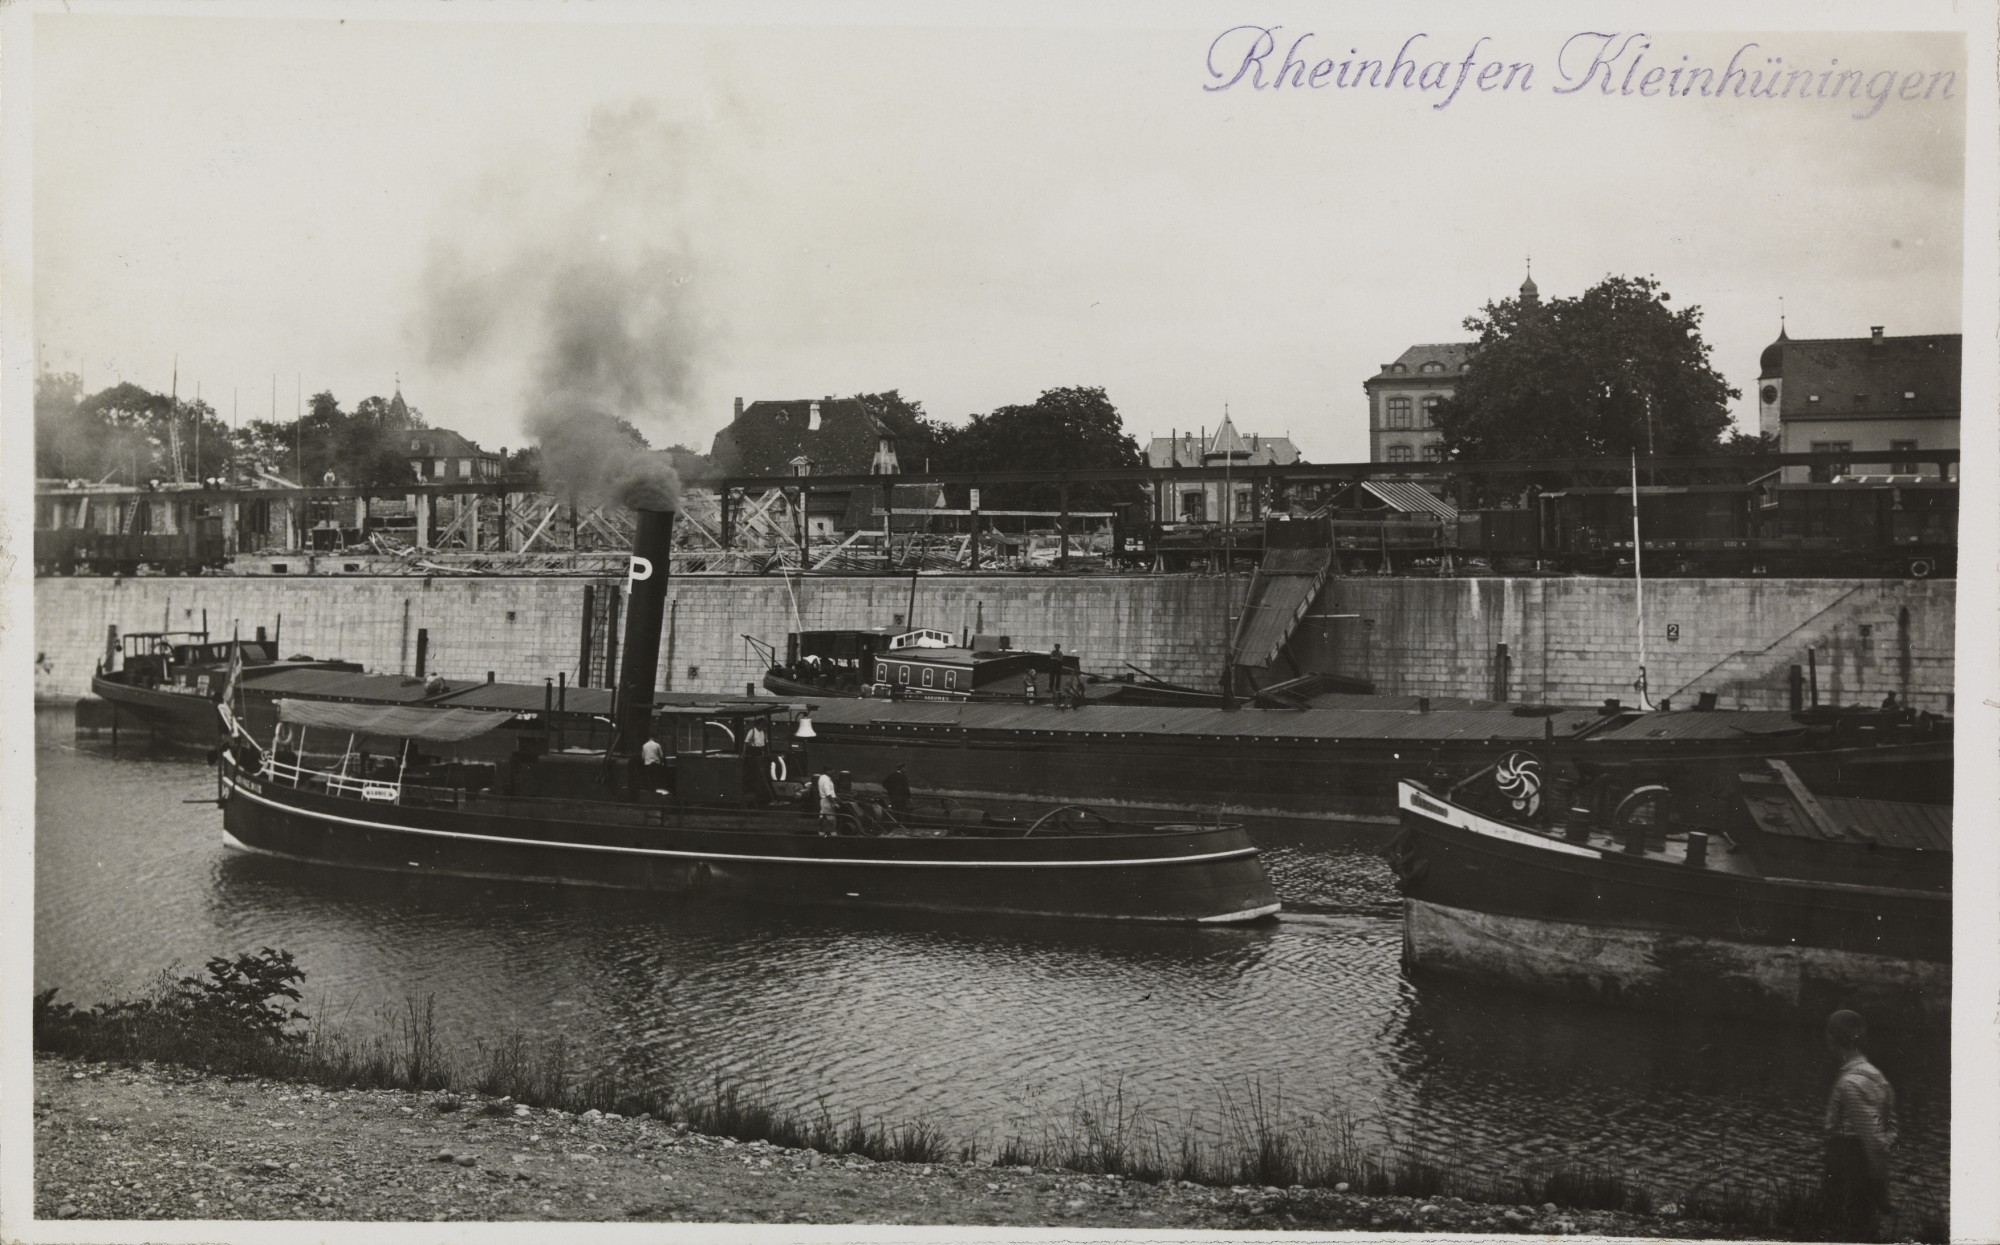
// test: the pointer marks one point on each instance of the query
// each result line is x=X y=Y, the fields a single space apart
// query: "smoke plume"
x=582 y=270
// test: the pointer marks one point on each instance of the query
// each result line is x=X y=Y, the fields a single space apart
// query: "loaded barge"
x=1788 y=903
x=720 y=814
x=1341 y=759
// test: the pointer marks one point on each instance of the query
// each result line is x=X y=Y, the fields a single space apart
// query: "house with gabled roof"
x=1203 y=501
x=1877 y=397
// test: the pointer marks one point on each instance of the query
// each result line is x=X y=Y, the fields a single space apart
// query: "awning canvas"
x=399 y=721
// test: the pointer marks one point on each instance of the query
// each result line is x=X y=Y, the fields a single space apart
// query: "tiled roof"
x=442 y=443
x=768 y=435
x=1189 y=449
x=1837 y=369
x=1451 y=354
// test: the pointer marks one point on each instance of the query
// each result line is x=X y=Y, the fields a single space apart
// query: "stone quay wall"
x=1571 y=641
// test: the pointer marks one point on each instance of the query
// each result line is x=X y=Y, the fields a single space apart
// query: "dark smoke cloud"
x=589 y=276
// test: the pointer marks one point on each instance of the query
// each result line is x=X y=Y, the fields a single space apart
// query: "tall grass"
x=239 y=1020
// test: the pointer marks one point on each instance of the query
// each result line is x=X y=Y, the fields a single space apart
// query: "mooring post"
x=1062 y=529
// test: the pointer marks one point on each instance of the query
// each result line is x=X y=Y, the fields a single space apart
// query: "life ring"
x=1920 y=568
x=777 y=769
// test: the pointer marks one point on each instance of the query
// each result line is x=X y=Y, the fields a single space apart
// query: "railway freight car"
x=1891 y=527
x=80 y=551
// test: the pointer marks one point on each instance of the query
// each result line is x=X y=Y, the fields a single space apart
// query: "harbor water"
x=989 y=1028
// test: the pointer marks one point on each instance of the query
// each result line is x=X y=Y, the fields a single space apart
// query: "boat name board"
x=1412 y=799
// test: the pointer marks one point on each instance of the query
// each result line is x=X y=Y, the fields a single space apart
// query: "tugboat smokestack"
x=645 y=608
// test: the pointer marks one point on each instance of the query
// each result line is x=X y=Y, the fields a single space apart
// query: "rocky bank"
x=159 y=1142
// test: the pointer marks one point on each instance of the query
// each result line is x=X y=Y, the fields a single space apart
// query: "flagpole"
x=1639 y=586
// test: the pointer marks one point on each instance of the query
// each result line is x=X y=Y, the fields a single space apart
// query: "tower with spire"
x=1531 y=296
x=1771 y=381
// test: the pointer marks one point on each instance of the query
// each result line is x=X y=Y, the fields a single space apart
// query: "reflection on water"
x=987 y=1025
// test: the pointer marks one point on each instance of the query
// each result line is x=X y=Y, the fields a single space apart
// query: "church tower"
x=1531 y=296
x=1771 y=383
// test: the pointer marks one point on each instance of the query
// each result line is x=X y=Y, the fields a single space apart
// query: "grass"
x=239 y=1020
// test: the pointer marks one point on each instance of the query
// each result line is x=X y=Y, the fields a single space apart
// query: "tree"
x=1610 y=372
x=1749 y=443
x=920 y=439
x=1065 y=429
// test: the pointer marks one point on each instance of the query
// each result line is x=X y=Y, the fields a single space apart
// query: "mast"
x=1639 y=587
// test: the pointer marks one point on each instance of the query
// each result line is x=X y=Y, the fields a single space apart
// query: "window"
x=950 y=679
x=1243 y=503
x=1430 y=407
x=929 y=673
x=437 y=469
x=1431 y=367
x=902 y=673
x=1902 y=466
x=1434 y=452
x=1831 y=472
x=1399 y=453
x=1194 y=507
x=1398 y=368
x=465 y=468
x=881 y=672
x=1399 y=412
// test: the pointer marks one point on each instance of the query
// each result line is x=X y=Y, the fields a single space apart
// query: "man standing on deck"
x=653 y=764
x=829 y=803
x=897 y=787
x=1860 y=1130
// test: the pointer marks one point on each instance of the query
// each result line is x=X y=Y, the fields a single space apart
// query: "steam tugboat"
x=1784 y=903
x=711 y=809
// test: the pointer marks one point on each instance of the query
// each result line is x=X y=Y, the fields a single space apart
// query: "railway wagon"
x=79 y=551
x=1858 y=526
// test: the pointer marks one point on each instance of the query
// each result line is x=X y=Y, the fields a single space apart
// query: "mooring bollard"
x=1697 y=856
x=1577 y=828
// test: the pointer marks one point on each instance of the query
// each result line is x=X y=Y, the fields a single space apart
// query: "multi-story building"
x=1875 y=397
x=1203 y=501
x=812 y=437
x=1403 y=395
x=438 y=454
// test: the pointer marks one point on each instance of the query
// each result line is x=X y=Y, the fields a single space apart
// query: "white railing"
x=337 y=782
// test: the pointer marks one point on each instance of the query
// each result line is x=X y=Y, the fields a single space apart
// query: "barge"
x=1624 y=900
x=1341 y=759
x=170 y=682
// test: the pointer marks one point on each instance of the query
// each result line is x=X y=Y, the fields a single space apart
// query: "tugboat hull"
x=1191 y=875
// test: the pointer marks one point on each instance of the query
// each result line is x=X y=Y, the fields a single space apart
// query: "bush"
x=239 y=1015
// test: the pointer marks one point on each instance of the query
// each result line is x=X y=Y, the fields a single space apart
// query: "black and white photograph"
x=1006 y=622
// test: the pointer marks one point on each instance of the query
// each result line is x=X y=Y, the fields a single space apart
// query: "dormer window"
x=1909 y=395
x=1398 y=368
x=1813 y=398
x=1432 y=367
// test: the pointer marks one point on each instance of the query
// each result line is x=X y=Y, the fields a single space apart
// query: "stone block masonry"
x=1576 y=641
x=1570 y=641
x=527 y=629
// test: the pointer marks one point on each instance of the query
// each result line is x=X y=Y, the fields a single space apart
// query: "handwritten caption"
x=1588 y=63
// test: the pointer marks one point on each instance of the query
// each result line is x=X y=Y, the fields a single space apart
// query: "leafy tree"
x=1063 y=429
x=1749 y=443
x=920 y=439
x=1612 y=371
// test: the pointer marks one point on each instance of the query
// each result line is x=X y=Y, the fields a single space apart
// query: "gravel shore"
x=158 y=1142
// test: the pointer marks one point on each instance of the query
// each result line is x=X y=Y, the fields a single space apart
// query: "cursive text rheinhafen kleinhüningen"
x=1269 y=58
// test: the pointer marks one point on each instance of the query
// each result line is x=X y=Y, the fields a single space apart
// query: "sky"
x=967 y=214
